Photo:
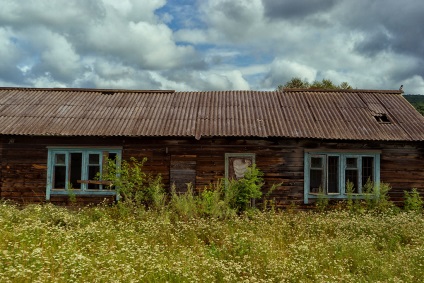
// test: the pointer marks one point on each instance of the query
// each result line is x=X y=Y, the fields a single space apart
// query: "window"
x=77 y=169
x=328 y=173
x=236 y=164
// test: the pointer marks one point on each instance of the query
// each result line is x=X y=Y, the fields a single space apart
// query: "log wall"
x=23 y=162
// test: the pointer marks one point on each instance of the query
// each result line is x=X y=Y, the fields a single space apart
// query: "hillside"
x=417 y=100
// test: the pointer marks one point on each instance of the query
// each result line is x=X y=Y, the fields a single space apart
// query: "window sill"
x=107 y=183
x=79 y=192
x=340 y=196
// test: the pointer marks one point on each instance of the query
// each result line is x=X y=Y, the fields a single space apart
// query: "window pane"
x=59 y=178
x=333 y=174
x=351 y=162
x=92 y=172
x=59 y=159
x=352 y=177
x=367 y=170
x=76 y=168
x=112 y=156
x=316 y=180
x=93 y=159
x=316 y=162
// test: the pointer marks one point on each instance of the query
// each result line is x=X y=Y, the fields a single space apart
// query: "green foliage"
x=246 y=190
x=374 y=198
x=133 y=185
x=213 y=202
x=349 y=192
x=382 y=200
x=184 y=205
x=414 y=98
x=220 y=200
x=297 y=82
x=417 y=101
x=72 y=197
x=413 y=201
x=322 y=202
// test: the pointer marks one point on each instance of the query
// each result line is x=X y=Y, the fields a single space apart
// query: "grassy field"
x=111 y=244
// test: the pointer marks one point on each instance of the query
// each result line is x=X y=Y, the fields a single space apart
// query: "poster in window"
x=237 y=166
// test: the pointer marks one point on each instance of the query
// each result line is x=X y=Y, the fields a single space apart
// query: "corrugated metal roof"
x=293 y=113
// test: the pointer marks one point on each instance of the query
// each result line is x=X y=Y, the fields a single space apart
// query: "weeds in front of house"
x=44 y=243
x=133 y=185
x=413 y=201
x=211 y=236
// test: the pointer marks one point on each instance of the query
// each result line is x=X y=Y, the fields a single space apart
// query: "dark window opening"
x=317 y=175
x=93 y=170
x=367 y=170
x=351 y=173
x=333 y=174
x=316 y=180
x=59 y=177
x=76 y=166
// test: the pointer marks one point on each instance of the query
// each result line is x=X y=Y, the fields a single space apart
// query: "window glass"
x=316 y=174
x=351 y=173
x=93 y=170
x=367 y=169
x=59 y=173
x=60 y=159
x=333 y=175
x=316 y=162
x=351 y=162
x=59 y=177
x=93 y=159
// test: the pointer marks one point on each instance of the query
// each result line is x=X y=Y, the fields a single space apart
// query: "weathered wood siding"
x=24 y=162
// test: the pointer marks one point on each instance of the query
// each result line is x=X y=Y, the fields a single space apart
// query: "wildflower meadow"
x=45 y=243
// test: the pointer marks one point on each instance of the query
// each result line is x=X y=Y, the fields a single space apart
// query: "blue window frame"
x=326 y=174
x=77 y=168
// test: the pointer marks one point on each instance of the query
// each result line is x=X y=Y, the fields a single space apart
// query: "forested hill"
x=417 y=100
x=414 y=98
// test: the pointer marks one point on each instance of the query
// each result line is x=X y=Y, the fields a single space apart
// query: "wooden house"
x=311 y=141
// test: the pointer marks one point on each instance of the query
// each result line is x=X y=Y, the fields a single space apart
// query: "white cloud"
x=282 y=71
x=414 y=85
x=209 y=44
x=10 y=55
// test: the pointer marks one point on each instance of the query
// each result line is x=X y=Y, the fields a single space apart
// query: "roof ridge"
x=342 y=90
x=90 y=89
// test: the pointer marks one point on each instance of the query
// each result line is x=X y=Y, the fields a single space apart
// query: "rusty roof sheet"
x=292 y=113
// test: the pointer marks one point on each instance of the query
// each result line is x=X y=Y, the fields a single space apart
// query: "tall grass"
x=44 y=243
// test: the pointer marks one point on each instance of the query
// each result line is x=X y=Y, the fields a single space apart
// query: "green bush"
x=133 y=185
x=413 y=201
x=242 y=192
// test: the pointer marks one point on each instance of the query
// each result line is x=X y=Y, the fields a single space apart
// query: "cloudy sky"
x=211 y=44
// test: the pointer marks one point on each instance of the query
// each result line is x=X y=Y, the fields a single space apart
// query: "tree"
x=419 y=107
x=297 y=82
